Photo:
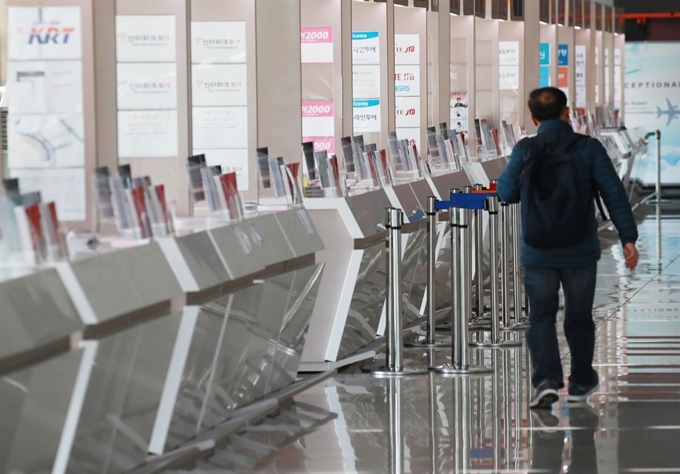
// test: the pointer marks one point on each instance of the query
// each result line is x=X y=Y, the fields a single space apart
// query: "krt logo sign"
x=50 y=35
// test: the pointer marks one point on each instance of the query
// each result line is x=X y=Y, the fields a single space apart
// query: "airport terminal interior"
x=267 y=236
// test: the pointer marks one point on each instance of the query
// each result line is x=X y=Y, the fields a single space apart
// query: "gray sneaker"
x=546 y=395
x=580 y=393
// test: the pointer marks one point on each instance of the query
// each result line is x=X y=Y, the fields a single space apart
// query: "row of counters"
x=107 y=358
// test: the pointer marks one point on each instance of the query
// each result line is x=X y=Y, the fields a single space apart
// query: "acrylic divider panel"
x=45 y=129
x=219 y=82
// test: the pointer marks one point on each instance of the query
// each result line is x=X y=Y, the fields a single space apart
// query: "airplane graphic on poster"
x=672 y=112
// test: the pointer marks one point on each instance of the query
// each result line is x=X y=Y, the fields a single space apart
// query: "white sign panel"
x=44 y=33
x=365 y=47
x=147 y=134
x=508 y=78
x=220 y=127
x=317 y=45
x=366 y=115
x=45 y=87
x=508 y=53
x=219 y=85
x=150 y=86
x=318 y=119
x=230 y=161
x=218 y=42
x=46 y=141
x=407 y=81
x=407 y=112
x=365 y=82
x=145 y=38
x=63 y=186
x=406 y=49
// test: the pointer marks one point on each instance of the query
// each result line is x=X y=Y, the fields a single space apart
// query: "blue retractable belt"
x=465 y=201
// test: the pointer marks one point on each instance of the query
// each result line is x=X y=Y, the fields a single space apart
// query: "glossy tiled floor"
x=437 y=424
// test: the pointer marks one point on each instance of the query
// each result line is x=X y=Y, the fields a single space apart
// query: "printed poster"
x=316 y=45
x=321 y=143
x=44 y=33
x=220 y=127
x=406 y=49
x=219 y=85
x=151 y=86
x=318 y=119
x=144 y=134
x=508 y=77
x=366 y=116
x=230 y=161
x=218 y=42
x=459 y=111
x=365 y=47
x=63 y=186
x=145 y=39
x=365 y=82
x=45 y=87
x=544 y=54
x=407 y=112
x=653 y=102
x=508 y=53
x=407 y=81
x=563 y=55
x=46 y=141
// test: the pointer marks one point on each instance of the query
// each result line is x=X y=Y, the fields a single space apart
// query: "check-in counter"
x=109 y=363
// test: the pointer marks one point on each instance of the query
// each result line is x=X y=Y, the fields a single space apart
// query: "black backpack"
x=555 y=207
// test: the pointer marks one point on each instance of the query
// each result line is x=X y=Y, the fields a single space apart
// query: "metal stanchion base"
x=517 y=327
x=383 y=371
x=425 y=344
x=480 y=325
x=496 y=345
x=448 y=369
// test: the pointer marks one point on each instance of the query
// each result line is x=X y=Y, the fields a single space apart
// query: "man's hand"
x=631 y=255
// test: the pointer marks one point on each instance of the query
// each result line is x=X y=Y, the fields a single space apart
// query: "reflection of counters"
x=150 y=370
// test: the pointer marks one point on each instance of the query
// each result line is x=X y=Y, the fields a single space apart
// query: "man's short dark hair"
x=547 y=103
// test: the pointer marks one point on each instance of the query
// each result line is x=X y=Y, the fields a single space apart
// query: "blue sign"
x=563 y=55
x=544 y=52
x=544 y=79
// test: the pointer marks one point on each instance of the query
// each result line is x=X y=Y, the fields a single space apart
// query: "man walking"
x=557 y=176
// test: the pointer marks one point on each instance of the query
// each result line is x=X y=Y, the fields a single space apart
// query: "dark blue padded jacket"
x=598 y=173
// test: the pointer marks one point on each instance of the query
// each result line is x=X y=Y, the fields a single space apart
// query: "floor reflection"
x=439 y=425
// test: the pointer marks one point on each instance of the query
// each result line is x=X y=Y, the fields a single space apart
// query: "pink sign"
x=322 y=143
x=317 y=109
x=317 y=45
x=316 y=35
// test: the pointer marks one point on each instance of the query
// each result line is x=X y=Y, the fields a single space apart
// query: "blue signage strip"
x=563 y=55
x=544 y=52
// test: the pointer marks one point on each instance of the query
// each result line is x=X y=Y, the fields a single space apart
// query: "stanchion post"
x=505 y=266
x=495 y=341
x=395 y=317
x=516 y=265
x=453 y=224
x=658 y=165
x=507 y=254
x=479 y=257
x=461 y=348
x=430 y=339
